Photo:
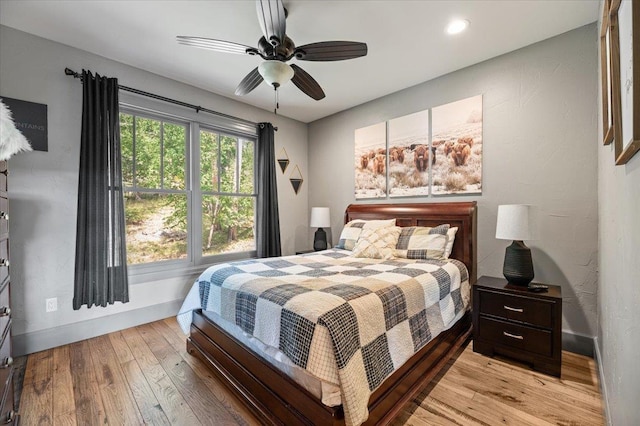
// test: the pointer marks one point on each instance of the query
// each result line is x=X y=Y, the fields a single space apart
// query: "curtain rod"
x=197 y=108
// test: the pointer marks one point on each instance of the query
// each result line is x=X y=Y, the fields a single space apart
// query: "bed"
x=275 y=397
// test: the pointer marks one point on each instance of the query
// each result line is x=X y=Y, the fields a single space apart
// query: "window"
x=228 y=200
x=172 y=217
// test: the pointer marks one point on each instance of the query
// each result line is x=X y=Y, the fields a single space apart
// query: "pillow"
x=418 y=242
x=377 y=243
x=451 y=236
x=352 y=230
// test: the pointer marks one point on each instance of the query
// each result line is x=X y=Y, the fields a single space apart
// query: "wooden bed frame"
x=278 y=400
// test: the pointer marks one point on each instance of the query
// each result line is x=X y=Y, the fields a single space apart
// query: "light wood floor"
x=144 y=375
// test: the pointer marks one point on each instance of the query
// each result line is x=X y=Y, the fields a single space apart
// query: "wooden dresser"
x=7 y=413
x=512 y=321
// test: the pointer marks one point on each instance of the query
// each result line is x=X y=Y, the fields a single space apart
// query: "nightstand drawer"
x=519 y=308
x=515 y=335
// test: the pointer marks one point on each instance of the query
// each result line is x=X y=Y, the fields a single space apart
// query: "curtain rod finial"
x=69 y=71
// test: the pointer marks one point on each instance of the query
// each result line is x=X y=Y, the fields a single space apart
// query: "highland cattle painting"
x=371 y=161
x=409 y=155
x=457 y=145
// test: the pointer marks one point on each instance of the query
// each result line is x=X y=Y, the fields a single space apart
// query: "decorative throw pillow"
x=351 y=231
x=377 y=243
x=451 y=236
x=418 y=242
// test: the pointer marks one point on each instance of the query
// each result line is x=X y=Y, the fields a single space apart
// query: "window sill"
x=147 y=273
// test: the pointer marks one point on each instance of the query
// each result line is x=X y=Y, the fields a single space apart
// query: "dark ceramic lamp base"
x=320 y=240
x=518 y=266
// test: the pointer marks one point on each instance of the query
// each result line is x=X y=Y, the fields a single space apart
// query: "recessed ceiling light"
x=457 y=26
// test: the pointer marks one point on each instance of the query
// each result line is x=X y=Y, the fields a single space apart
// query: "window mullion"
x=195 y=233
x=238 y=163
x=219 y=168
x=162 y=154
x=133 y=150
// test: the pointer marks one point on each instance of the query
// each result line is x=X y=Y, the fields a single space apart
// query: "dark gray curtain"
x=267 y=219
x=101 y=261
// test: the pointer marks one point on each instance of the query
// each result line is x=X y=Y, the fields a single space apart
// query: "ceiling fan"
x=276 y=48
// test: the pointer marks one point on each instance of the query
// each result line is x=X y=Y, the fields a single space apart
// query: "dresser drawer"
x=4 y=216
x=516 y=335
x=514 y=307
x=3 y=176
x=6 y=361
x=7 y=414
x=5 y=311
x=4 y=260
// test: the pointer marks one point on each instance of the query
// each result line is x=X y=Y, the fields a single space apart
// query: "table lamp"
x=320 y=218
x=514 y=223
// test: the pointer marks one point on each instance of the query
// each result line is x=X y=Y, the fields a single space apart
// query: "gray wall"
x=618 y=342
x=43 y=191
x=540 y=148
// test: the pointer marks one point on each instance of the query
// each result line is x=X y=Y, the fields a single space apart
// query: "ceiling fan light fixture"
x=457 y=26
x=275 y=73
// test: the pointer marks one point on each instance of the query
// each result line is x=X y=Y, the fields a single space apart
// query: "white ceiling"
x=406 y=39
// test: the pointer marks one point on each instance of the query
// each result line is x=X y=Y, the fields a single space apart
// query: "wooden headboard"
x=462 y=215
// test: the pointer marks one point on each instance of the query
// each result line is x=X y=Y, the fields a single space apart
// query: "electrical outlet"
x=52 y=304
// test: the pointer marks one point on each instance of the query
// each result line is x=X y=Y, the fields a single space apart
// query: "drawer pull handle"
x=9 y=417
x=4 y=262
x=509 y=308
x=513 y=336
x=5 y=311
x=4 y=215
x=8 y=362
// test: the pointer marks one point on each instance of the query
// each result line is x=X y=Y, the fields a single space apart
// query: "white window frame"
x=195 y=262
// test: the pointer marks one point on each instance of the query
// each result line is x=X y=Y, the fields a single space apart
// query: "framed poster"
x=605 y=72
x=409 y=155
x=371 y=161
x=457 y=143
x=625 y=70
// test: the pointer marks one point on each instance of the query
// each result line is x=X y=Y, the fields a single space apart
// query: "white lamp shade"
x=275 y=72
x=514 y=222
x=320 y=217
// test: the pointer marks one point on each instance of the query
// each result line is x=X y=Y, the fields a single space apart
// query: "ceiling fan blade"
x=331 y=51
x=217 y=45
x=250 y=82
x=306 y=83
x=272 y=20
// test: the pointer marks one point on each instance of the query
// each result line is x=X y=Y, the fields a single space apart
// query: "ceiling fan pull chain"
x=275 y=89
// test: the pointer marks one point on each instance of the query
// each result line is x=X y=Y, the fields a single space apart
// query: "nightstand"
x=512 y=321
x=305 y=251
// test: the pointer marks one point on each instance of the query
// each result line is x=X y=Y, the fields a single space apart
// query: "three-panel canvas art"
x=437 y=151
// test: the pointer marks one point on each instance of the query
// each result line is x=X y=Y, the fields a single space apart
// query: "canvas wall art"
x=409 y=155
x=371 y=161
x=457 y=142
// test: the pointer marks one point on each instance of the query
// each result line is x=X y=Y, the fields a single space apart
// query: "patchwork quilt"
x=349 y=321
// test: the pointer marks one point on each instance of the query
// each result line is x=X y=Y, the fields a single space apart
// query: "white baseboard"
x=603 y=383
x=41 y=340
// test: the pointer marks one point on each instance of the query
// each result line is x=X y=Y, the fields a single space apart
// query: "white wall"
x=619 y=289
x=540 y=148
x=43 y=185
